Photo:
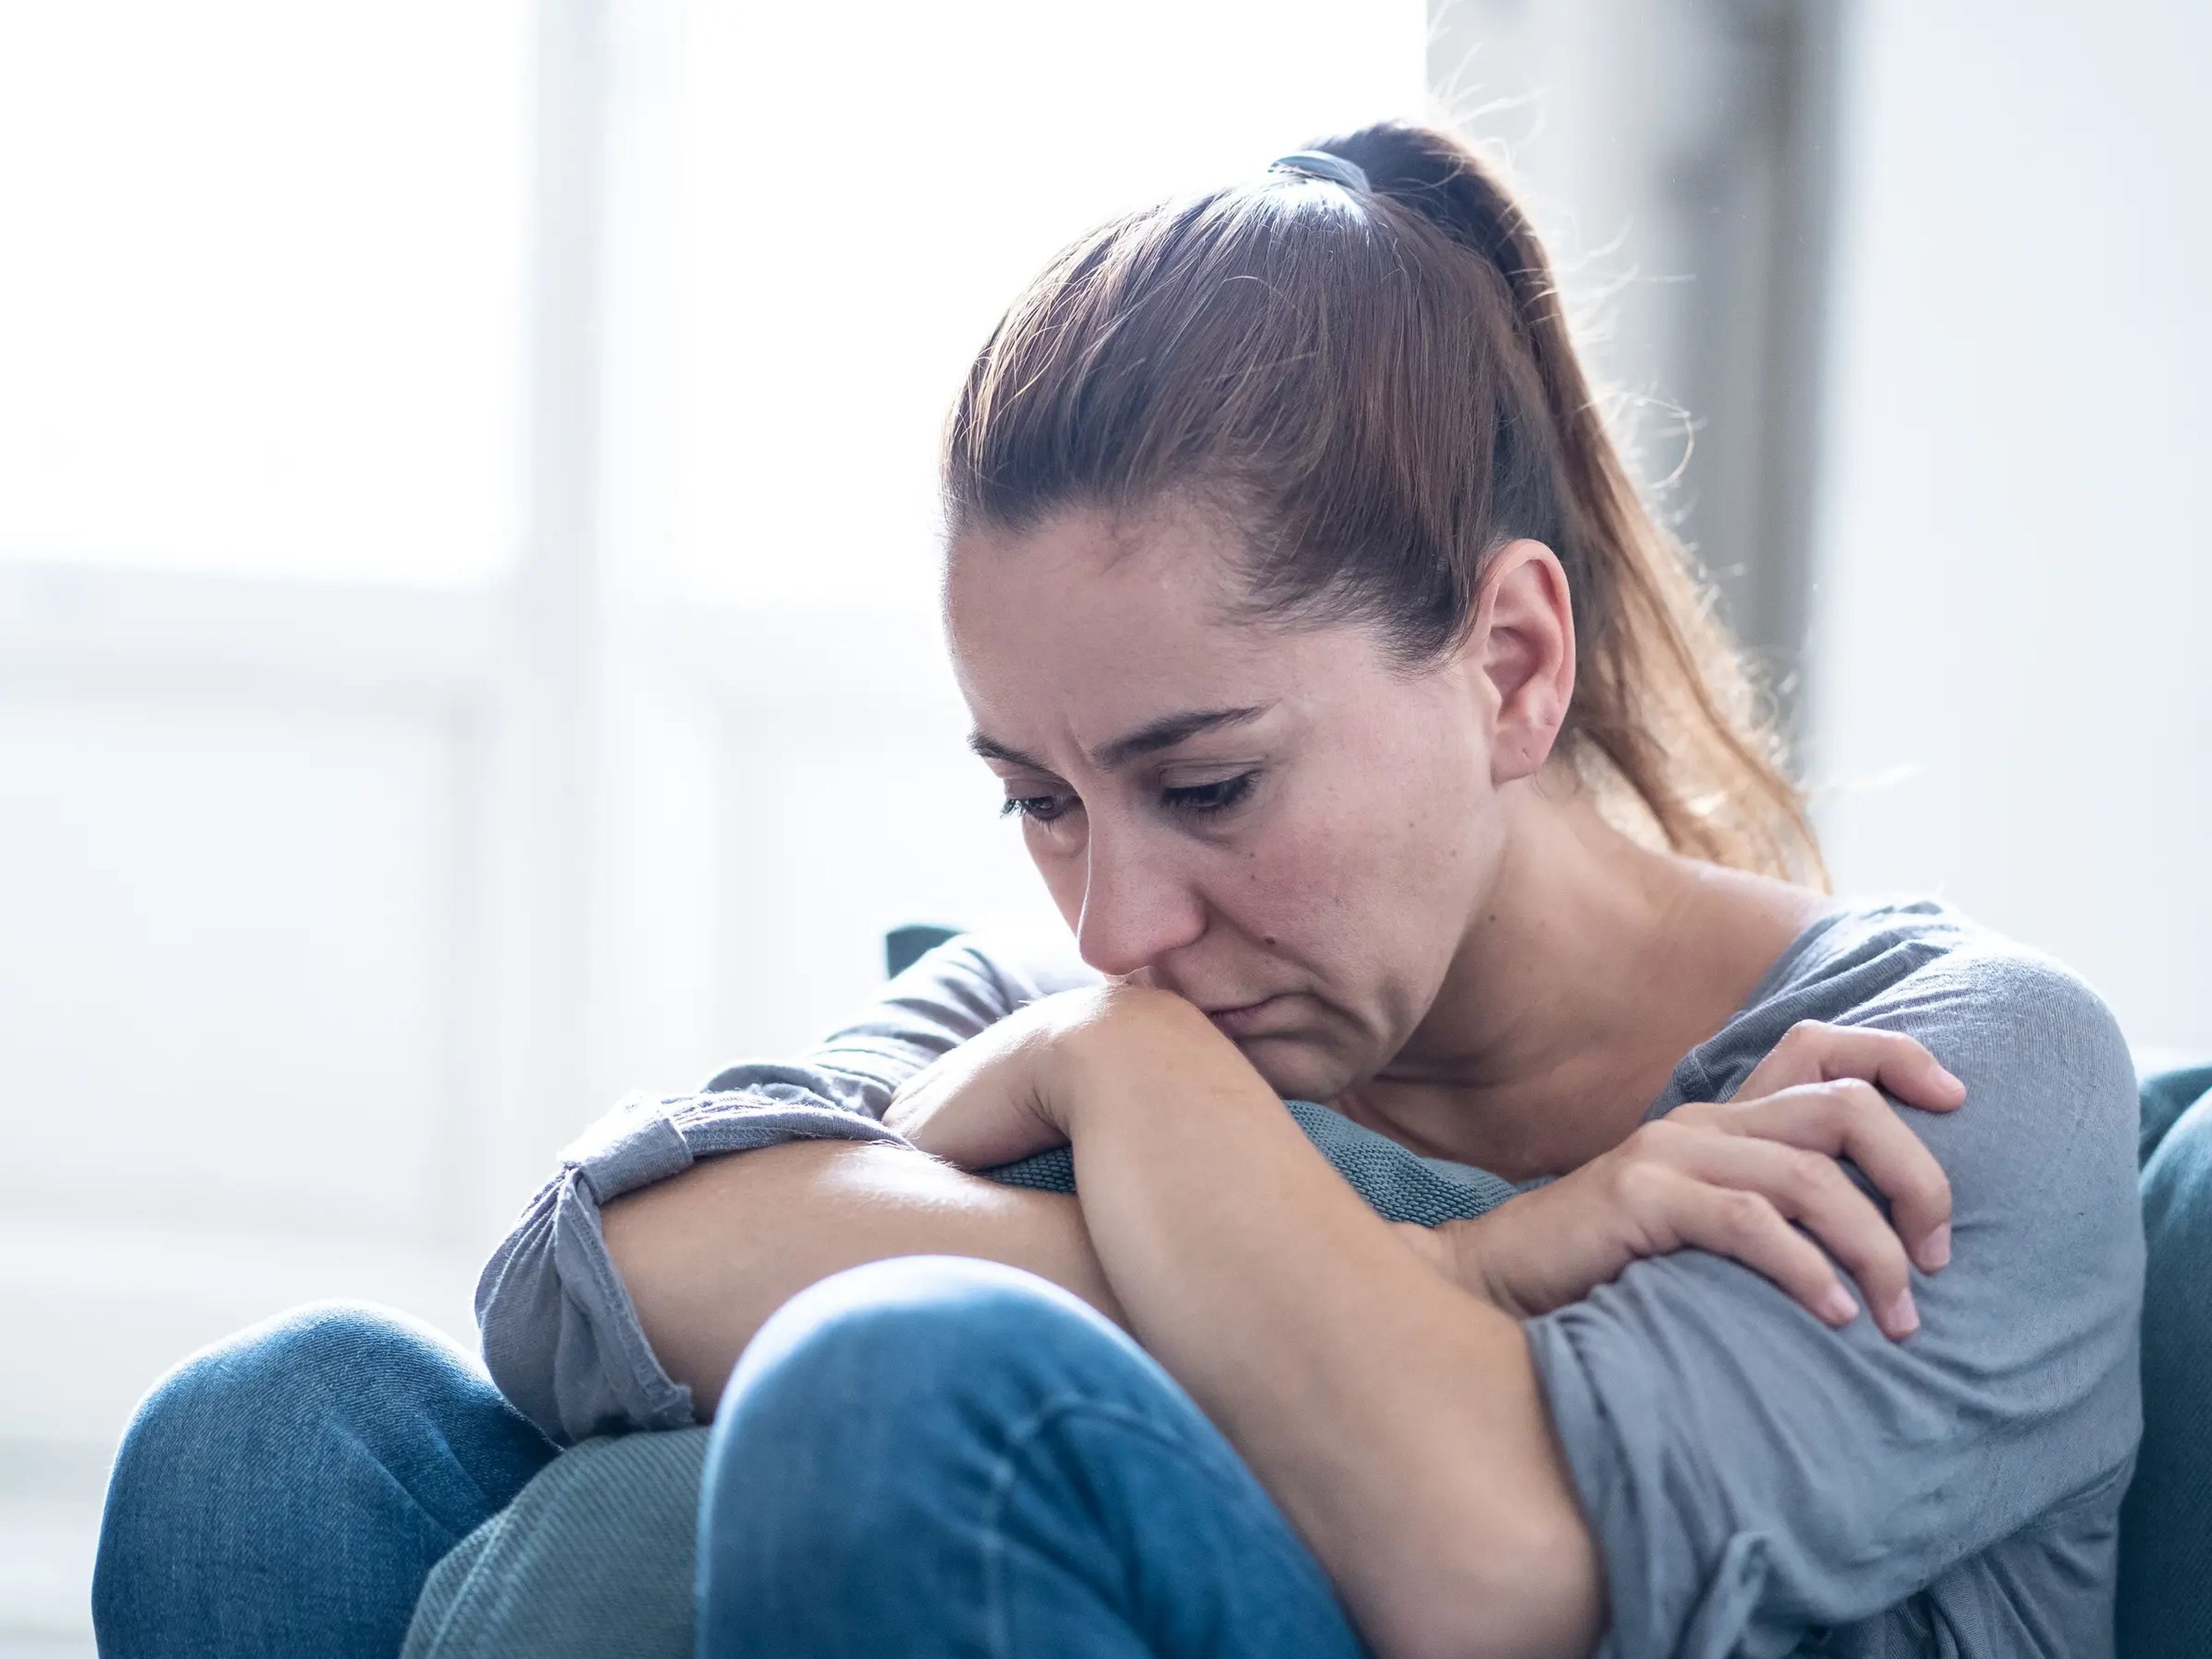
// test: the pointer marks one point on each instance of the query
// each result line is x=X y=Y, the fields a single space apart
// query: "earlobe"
x=1524 y=637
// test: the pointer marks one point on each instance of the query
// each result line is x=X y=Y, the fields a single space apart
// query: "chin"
x=1298 y=1068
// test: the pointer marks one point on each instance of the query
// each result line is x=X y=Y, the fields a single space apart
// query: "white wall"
x=1673 y=158
x=2011 y=667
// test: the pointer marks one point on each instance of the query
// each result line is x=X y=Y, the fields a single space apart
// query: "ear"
x=1523 y=645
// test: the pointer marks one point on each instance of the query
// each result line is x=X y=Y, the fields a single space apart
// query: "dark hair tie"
x=1320 y=164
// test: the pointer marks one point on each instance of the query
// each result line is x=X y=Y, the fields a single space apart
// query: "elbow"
x=520 y=1306
x=556 y=1339
x=1533 y=1590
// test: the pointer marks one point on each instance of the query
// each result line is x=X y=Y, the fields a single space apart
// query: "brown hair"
x=1377 y=389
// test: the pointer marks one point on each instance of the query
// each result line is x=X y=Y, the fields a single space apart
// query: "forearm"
x=709 y=1255
x=1396 y=1420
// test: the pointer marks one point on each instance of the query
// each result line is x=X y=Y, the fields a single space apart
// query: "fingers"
x=1684 y=1212
x=1812 y=1189
x=1812 y=1051
x=1848 y=1119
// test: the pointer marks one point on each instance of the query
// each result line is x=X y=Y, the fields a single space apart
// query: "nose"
x=1137 y=906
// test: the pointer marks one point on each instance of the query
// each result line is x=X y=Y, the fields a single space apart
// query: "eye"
x=1040 y=809
x=1202 y=798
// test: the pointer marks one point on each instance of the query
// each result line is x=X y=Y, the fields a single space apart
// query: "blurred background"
x=467 y=644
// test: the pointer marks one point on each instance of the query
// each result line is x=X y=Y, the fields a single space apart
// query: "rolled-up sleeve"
x=560 y=1334
x=560 y=1337
x=1751 y=1475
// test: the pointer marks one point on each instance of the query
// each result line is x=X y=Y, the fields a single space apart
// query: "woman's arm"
x=709 y=1255
x=710 y=1241
x=1395 y=1418
x=561 y=1335
x=1681 y=1455
x=1760 y=1179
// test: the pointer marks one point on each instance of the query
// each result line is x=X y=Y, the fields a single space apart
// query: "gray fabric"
x=1755 y=1480
x=1751 y=1475
x=594 y=1558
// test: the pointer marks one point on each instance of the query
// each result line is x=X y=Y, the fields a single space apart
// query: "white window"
x=466 y=617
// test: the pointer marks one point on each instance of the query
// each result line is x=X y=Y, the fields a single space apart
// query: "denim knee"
x=339 y=1422
x=874 y=1419
x=938 y=1455
x=330 y=1363
x=917 y=1333
x=898 y=1368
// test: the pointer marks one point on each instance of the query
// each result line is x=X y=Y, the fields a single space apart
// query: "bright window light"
x=259 y=308
x=866 y=185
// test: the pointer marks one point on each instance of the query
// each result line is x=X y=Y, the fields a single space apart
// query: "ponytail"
x=1395 y=398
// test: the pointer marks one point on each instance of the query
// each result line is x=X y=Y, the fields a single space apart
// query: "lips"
x=1248 y=1019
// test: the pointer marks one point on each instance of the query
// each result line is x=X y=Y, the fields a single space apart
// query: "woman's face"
x=1272 y=823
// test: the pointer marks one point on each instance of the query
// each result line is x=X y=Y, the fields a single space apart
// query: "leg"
x=287 y=1491
x=935 y=1455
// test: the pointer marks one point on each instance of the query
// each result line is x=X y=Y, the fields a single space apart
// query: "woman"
x=1378 y=752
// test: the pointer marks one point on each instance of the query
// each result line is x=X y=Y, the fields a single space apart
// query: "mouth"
x=1249 y=1020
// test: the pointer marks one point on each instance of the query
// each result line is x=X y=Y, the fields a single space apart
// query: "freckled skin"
x=1344 y=883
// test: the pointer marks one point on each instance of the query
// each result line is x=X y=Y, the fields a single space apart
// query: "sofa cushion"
x=593 y=1558
x=2165 y=1609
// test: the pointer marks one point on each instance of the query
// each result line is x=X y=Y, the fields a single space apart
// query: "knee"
x=317 y=1359
x=874 y=1405
x=899 y=1365
x=220 y=1415
x=919 y=1334
x=309 y=1468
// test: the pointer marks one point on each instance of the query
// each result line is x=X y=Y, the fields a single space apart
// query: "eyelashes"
x=1192 y=801
x=1044 y=809
x=1201 y=798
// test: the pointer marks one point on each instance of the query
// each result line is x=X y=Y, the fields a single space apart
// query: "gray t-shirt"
x=1757 y=1483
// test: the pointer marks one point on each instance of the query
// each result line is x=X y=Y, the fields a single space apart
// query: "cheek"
x=1314 y=889
x=1370 y=890
x=1287 y=893
x=1063 y=876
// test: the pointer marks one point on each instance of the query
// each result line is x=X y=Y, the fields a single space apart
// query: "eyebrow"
x=1147 y=739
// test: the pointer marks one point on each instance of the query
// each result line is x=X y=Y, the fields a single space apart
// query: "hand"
x=1007 y=1091
x=1731 y=1178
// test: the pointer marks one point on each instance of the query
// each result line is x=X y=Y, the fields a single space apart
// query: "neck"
x=1593 y=966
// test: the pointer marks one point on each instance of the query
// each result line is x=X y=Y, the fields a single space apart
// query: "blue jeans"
x=941 y=1456
x=287 y=1492
x=931 y=1455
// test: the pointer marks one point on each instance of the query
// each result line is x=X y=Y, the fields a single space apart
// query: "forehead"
x=1174 y=558
x=1094 y=620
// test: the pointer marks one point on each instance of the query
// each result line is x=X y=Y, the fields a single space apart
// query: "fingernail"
x=1903 y=1317
x=1837 y=1306
x=1937 y=1252
x=1953 y=1078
